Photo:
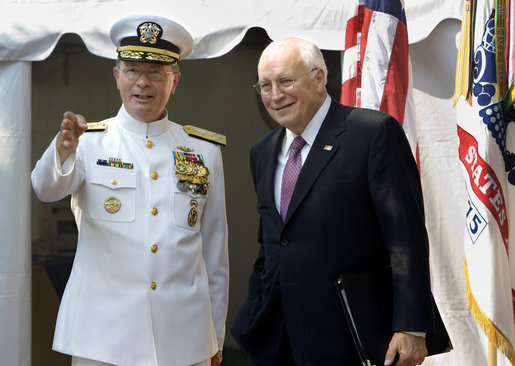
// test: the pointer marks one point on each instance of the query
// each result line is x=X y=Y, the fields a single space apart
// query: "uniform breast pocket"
x=188 y=209
x=112 y=195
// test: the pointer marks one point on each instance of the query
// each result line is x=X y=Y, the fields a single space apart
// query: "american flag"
x=376 y=68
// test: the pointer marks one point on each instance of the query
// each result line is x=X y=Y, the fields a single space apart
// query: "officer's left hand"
x=216 y=360
x=410 y=348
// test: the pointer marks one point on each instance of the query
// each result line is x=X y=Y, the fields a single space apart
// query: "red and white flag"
x=376 y=69
x=487 y=162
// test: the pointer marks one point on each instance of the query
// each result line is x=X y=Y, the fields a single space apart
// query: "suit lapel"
x=324 y=148
x=271 y=159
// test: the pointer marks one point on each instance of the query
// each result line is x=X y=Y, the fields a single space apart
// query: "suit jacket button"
x=284 y=242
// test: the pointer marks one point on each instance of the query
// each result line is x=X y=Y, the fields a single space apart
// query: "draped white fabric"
x=15 y=274
x=30 y=29
x=217 y=26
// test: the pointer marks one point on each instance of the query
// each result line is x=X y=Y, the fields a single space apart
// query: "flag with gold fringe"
x=483 y=119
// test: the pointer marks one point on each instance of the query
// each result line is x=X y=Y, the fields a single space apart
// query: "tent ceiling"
x=31 y=28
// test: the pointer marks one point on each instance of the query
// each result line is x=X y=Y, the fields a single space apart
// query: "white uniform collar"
x=137 y=127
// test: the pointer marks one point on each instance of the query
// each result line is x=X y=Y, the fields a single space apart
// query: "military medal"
x=183 y=186
x=191 y=171
x=193 y=214
x=180 y=168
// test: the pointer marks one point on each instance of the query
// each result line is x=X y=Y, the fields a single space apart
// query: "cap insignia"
x=149 y=32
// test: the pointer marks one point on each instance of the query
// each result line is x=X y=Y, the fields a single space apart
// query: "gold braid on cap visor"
x=153 y=54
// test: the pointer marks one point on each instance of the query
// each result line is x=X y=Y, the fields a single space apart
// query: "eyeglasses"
x=152 y=75
x=284 y=84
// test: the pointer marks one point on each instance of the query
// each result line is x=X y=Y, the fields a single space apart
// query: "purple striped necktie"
x=291 y=173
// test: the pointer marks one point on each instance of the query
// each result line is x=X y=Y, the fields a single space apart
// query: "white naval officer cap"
x=150 y=38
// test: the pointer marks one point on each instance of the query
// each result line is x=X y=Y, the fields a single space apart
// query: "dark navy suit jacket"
x=357 y=206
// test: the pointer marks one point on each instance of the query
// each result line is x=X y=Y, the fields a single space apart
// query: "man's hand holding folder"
x=407 y=349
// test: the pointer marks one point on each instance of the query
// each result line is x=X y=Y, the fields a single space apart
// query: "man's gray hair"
x=310 y=54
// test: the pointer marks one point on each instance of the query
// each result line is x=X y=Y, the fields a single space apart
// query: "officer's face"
x=143 y=98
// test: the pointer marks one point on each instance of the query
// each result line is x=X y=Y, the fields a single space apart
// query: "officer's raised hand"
x=72 y=127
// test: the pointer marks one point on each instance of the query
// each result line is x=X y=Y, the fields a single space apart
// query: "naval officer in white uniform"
x=149 y=284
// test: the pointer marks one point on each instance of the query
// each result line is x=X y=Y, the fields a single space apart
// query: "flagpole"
x=492 y=354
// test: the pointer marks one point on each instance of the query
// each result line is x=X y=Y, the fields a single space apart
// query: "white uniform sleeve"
x=215 y=246
x=51 y=180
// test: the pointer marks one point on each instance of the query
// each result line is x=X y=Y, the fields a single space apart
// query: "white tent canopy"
x=30 y=29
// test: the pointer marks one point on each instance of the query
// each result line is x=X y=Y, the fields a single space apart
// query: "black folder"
x=371 y=326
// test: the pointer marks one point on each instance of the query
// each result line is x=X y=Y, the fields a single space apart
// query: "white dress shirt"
x=309 y=134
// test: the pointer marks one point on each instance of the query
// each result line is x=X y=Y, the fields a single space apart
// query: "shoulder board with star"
x=96 y=127
x=205 y=135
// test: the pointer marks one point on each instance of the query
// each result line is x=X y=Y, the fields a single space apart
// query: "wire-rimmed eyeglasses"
x=153 y=75
x=284 y=84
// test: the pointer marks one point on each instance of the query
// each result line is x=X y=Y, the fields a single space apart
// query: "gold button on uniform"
x=153 y=248
x=154 y=211
x=153 y=285
x=113 y=182
x=154 y=175
x=149 y=144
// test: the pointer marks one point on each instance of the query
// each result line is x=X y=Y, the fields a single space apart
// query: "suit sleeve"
x=397 y=196
x=53 y=180
x=255 y=283
x=215 y=247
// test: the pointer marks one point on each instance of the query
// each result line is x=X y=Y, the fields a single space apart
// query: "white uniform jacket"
x=148 y=286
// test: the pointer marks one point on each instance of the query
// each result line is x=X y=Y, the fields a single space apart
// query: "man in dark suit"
x=356 y=207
